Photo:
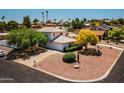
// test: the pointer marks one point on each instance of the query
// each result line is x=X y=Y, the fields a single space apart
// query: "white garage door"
x=56 y=46
x=4 y=42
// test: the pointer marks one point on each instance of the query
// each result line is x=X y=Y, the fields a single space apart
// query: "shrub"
x=72 y=45
x=90 y=51
x=73 y=48
x=69 y=57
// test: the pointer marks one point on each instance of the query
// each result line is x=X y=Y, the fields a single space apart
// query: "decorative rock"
x=76 y=66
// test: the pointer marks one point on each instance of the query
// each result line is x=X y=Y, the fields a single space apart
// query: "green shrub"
x=69 y=57
x=73 y=48
x=72 y=45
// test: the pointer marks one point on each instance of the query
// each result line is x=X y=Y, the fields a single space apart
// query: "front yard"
x=91 y=67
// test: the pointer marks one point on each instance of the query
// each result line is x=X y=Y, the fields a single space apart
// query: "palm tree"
x=54 y=20
x=3 y=17
x=85 y=20
x=46 y=16
x=43 y=16
x=69 y=19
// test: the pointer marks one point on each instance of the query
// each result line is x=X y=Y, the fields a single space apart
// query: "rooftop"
x=3 y=34
x=63 y=39
x=99 y=33
x=51 y=29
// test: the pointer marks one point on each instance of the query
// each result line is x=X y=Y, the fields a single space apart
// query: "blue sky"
x=17 y=14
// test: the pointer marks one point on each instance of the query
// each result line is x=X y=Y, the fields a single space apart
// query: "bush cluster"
x=73 y=48
x=69 y=57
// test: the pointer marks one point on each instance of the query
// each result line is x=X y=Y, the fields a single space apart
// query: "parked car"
x=2 y=54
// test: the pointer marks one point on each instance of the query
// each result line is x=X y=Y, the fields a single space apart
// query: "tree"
x=3 y=17
x=2 y=25
x=69 y=19
x=86 y=36
x=114 y=22
x=43 y=16
x=46 y=16
x=26 y=21
x=121 y=21
x=85 y=20
x=25 y=38
x=116 y=34
x=67 y=24
x=35 y=21
x=55 y=20
x=76 y=24
x=12 y=25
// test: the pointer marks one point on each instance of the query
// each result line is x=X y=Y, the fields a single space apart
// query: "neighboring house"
x=57 y=38
x=107 y=27
x=36 y=25
x=102 y=30
x=87 y=25
x=102 y=27
x=2 y=30
x=100 y=34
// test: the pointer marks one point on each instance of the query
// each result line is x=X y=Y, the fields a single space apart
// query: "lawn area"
x=91 y=67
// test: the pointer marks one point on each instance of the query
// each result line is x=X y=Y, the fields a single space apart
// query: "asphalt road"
x=117 y=73
x=11 y=72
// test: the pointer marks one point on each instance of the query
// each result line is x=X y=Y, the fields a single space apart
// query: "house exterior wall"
x=4 y=42
x=57 y=46
x=51 y=36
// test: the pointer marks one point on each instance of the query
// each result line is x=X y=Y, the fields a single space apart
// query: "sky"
x=18 y=14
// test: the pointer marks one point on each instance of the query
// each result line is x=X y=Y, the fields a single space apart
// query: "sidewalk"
x=120 y=45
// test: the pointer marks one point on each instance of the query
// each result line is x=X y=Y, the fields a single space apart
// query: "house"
x=87 y=25
x=102 y=27
x=100 y=34
x=107 y=27
x=57 y=38
x=2 y=30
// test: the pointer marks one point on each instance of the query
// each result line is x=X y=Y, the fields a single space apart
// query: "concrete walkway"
x=37 y=58
x=120 y=45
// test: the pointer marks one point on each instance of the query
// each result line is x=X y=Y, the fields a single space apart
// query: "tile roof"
x=51 y=29
x=64 y=39
x=99 y=33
